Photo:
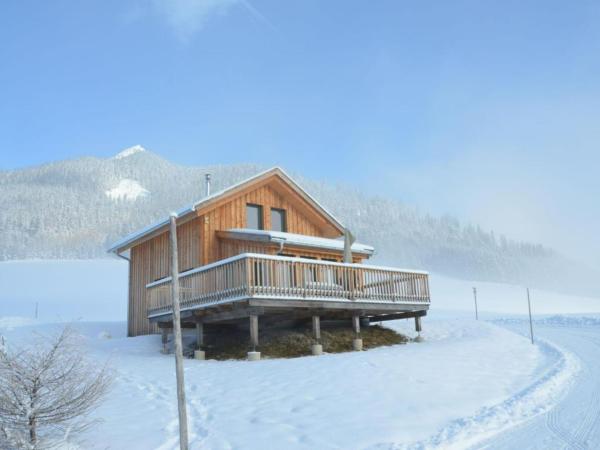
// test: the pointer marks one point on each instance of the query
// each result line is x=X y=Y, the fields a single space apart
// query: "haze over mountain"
x=76 y=208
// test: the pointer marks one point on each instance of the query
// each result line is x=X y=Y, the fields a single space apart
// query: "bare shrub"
x=47 y=391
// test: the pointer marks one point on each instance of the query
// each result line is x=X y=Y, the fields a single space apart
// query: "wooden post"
x=418 y=327
x=199 y=335
x=356 y=325
x=475 y=297
x=530 y=321
x=316 y=348
x=316 y=324
x=164 y=334
x=183 y=429
x=254 y=332
x=357 y=342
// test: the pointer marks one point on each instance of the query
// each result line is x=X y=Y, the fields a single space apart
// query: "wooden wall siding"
x=150 y=262
x=140 y=274
x=199 y=245
x=232 y=214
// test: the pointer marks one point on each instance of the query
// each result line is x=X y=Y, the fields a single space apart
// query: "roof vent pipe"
x=207 y=178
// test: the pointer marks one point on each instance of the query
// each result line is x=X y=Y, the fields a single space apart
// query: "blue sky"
x=487 y=110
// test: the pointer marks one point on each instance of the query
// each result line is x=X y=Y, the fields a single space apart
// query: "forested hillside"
x=76 y=208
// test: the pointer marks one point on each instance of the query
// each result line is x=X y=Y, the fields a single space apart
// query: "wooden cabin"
x=262 y=248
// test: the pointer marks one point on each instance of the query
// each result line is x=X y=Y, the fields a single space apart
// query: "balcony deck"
x=283 y=282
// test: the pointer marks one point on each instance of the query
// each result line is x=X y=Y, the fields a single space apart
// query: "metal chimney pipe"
x=207 y=178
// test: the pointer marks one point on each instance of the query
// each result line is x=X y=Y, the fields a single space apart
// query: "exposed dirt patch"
x=233 y=343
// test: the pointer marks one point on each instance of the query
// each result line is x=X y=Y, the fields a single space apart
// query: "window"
x=278 y=219
x=254 y=217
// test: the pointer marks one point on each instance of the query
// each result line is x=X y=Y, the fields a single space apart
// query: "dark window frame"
x=261 y=222
x=283 y=213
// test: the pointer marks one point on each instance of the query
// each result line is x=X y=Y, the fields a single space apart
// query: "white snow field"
x=470 y=384
x=127 y=190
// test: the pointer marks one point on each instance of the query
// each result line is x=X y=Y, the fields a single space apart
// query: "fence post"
x=475 y=298
x=530 y=321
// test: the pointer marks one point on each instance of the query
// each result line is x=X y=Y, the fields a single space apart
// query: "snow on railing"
x=251 y=275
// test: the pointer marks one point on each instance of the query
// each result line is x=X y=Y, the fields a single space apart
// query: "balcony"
x=292 y=282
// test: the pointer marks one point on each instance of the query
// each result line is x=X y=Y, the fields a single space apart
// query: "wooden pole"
x=183 y=429
x=475 y=298
x=530 y=321
x=356 y=325
x=254 y=332
x=164 y=332
x=199 y=335
x=316 y=323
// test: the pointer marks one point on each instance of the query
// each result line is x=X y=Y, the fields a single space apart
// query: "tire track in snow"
x=530 y=402
x=592 y=417
x=578 y=410
x=577 y=439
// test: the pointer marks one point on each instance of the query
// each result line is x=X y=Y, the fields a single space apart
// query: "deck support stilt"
x=199 y=352
x=253 y=355
x=164 y=338
x=199 y=335
x=316 y=348
x=418 y=329
x=357 y=343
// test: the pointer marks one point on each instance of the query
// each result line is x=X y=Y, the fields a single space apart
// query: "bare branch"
x=47 y=392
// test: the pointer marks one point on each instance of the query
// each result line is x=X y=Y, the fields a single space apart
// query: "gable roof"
x=129 y=240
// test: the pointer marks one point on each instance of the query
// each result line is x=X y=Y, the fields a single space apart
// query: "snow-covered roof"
x=129 y=239
x=301 y=240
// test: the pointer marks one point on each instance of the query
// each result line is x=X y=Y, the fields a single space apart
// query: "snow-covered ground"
x=470 y=384
x=127 y=190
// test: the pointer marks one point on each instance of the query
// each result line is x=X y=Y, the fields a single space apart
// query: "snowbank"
x=396 y=394
x=466 y=381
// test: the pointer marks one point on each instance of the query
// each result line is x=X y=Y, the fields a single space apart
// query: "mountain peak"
x=129 y=151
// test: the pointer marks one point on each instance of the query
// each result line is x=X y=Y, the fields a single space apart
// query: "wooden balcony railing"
x=252 y=275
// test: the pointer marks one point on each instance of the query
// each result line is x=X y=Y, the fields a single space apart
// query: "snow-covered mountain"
x=129 y=151
x=76 y=208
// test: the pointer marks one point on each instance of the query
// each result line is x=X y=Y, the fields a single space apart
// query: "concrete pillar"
x=357 y=344
x=316 y=349
x=199 y=335
x=253 y=356
x=200 y=355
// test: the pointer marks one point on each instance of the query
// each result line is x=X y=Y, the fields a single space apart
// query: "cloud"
x=187 y=17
